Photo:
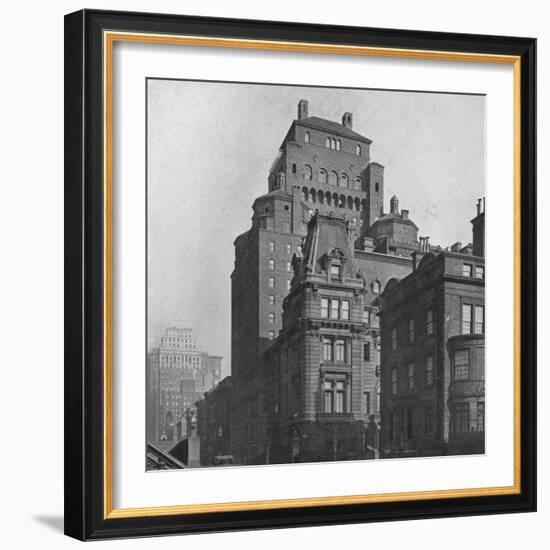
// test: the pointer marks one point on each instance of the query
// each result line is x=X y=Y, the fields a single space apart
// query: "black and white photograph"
x=315 y=274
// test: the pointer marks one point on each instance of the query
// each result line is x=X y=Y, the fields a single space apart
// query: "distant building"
x=214 y=425
x=433 y=354
x=178 y=373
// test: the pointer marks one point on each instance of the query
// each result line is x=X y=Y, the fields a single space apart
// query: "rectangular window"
x=327 y=349
x=288 y=284
x=466 y=318
x=288 y=248
x=394 y=381
x=366 y=316
x=366 y=351
x=329 y=397
x=429 y=370
x=271 y=334
x=394 y=338
x=480 y=272
x=429 y=420
x=479 y=320
x=460 y=418
x=271 y=282
x=340 y=349
x=324 y=307
x=461 y=365
x=335 y=271
x=340 y=402
x=481 y=416
x=411 y=331
x=288 y=266
x=272 y=317
x=335 y=309
x=271 y=264
x=367 y=402
x=345 y=310
x=410 y=374
x=271 y=246
x=271 y=300
x=467 y=270
x=430 y=322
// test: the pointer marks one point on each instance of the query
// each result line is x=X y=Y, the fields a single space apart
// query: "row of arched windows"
x=332 y=178
x=331 y=143
x=333 y=199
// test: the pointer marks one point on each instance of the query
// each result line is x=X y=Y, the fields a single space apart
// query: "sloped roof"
x=327 y=234
x=332 y=127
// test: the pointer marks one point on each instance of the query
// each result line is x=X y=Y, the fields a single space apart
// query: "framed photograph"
x=300 y=274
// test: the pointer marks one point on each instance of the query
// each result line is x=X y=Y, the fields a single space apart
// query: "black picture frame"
x=84 y=281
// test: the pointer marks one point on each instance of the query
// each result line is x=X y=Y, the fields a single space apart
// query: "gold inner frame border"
x=109 y=39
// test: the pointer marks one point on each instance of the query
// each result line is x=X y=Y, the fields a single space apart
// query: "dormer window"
x=336 y=271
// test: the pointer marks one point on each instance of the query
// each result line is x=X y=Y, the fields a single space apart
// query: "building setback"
x=433 y=354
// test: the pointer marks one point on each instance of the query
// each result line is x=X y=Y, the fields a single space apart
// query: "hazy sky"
x=210 y=147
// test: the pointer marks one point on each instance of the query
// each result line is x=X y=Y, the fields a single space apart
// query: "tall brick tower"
x=321 y=164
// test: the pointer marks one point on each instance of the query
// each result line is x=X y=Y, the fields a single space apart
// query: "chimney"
x=424 y=244
x=347 y=120
x=394 y=205
x=405 y=214
x=302 y=109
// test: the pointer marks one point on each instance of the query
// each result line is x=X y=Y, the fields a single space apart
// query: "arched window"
x=350 y=202
x=338 y=145
x=357 y=204
x=344 y=182
x=321 y=197
x=308 y=173
x=358 y=183
x=333 y=143
x=363 y=204
x=305 y=193
x=376 y=287
x=335 y=199
x=327 y=143
x=322 y=175
x=307 y=137
x=342 y=201
x=313 y=195
x=358 y=150
x=328 y=196
x=294 y=168
x=333 y=179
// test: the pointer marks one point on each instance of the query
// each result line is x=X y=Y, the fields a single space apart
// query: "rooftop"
x=318 y=123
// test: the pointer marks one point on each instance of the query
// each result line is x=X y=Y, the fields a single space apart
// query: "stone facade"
x=432 y=364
